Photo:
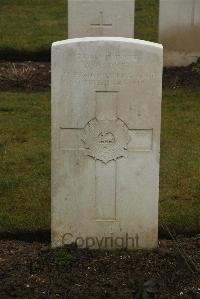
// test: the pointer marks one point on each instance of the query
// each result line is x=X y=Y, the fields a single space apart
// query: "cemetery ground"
x=34 y=33
x=25 y=161
x=33 y=270
x=29 y=268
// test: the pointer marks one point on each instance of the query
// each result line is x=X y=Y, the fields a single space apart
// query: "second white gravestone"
x=106 y=107
x=179 y=31
x=101 y=18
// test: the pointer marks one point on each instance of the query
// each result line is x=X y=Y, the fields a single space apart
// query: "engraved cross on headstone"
x=106 y=117
x=101 y=25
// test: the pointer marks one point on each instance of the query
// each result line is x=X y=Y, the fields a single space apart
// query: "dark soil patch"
x=182 y=76
x=25 y=76
x=37 y=76
x=33 y=270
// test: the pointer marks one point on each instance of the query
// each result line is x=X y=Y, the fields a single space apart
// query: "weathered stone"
x=106 y=106
x=101 y=18
x=179 y=31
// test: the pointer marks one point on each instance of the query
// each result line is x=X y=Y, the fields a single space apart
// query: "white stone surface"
x=106 y=109
x=101 y=18
x=179 y=31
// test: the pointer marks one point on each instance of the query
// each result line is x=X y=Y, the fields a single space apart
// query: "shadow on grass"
x=42 y=236
x=8 y=54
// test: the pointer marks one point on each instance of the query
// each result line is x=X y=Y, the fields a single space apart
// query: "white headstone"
x=179 y=30
x=101 y=18
x=106 y=106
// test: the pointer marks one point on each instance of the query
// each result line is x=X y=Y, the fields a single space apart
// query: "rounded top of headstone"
x=108 y=39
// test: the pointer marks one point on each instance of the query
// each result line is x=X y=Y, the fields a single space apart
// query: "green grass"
x=28 y=27
x=146 y=19
x=25 y=161
x=180 y=160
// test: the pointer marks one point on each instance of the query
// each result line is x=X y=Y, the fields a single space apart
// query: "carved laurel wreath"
x=106 y=140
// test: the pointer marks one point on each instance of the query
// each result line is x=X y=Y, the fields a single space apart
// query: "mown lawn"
x=25 y=161
x=146 y=19
x=180 y=160
x=28 y=27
